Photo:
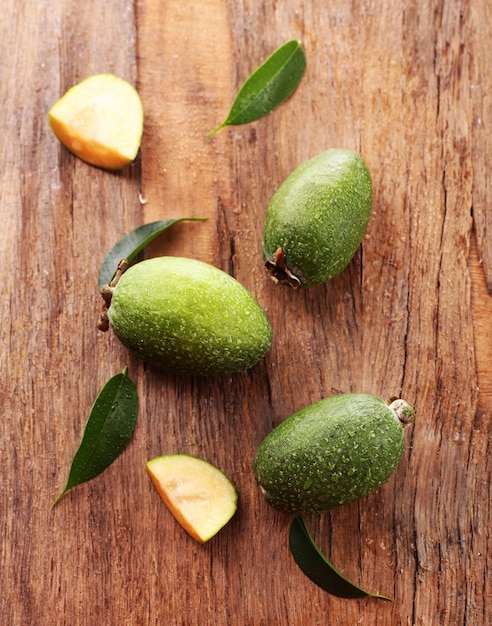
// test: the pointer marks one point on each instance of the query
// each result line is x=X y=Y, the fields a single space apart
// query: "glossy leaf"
x=107 y=432
x=318 y=568
x=268 y=86
x=132 y=243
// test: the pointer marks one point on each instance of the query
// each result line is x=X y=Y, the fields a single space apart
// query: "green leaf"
x=134 y=242
x=107 y=432
x=318 y=568
x=268 y=86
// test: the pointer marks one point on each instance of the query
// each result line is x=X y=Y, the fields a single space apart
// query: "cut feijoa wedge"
x=100 y=120
x=199 y=495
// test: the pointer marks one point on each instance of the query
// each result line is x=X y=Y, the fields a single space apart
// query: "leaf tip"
x=379 y=596
x=214 y=130
x=57 y=499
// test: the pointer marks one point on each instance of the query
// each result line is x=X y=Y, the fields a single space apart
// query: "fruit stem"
x=403 y=411
x=107 y=294
x=280 y=271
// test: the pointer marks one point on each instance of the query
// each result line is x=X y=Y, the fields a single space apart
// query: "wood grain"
x=480 y=84
x=407 y=85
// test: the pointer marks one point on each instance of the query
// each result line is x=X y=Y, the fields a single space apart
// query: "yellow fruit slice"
x=100 y=120
x=200 y=496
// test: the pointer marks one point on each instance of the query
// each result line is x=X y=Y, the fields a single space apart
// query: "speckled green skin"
x=319 y=215
x=188 y=317
x=330 y=453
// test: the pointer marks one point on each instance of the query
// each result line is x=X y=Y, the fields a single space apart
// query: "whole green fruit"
x=186 y=316
x=332 y=452
x=317 y=218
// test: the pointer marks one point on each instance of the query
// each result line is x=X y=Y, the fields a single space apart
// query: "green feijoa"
x=186 y=316
x=332 y=452
x=317 y=218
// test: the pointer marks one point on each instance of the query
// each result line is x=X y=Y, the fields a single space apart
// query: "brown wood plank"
x=406 y=85
x=481 y=82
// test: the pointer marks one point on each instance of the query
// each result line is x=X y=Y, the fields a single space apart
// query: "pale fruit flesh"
x=199 y=495
x=100 y=120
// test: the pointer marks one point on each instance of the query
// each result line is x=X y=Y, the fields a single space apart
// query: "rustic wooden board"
x=405 y=84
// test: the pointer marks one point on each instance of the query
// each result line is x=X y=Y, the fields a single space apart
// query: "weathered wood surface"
x=406 y=84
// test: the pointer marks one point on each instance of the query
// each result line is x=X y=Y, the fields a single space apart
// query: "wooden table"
x=407 y=84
